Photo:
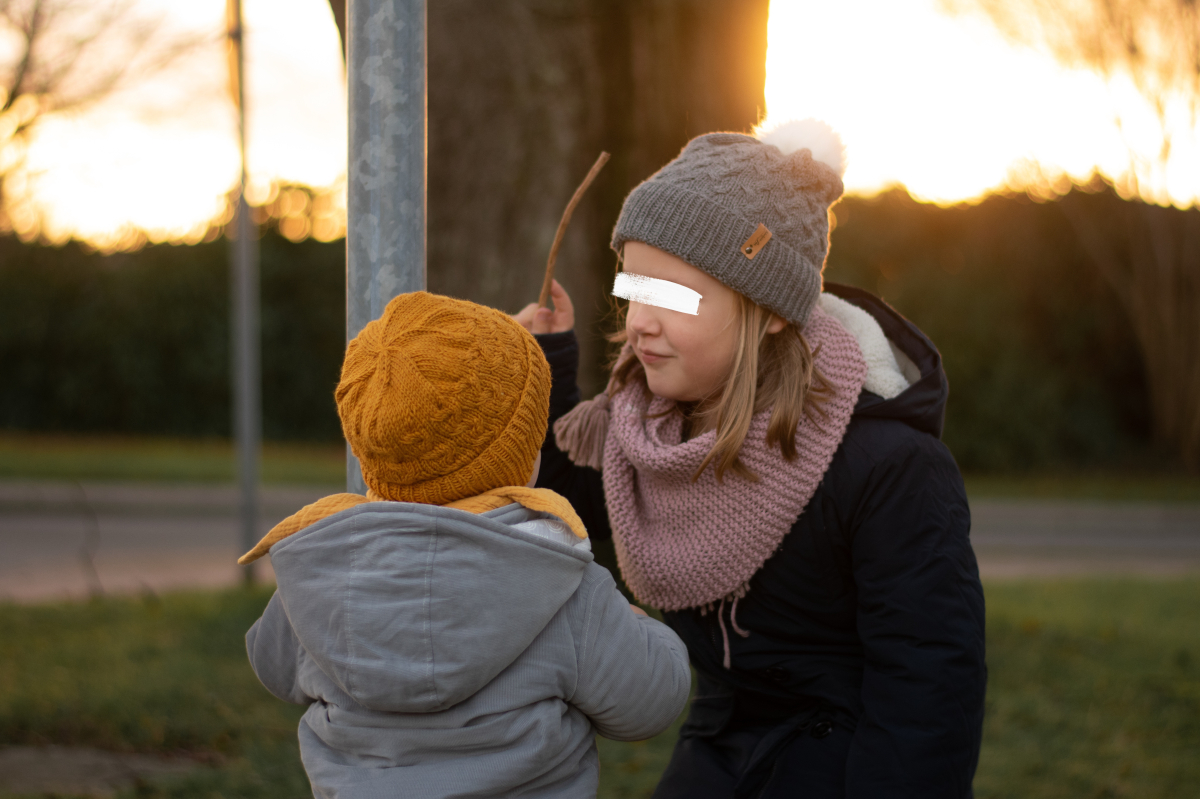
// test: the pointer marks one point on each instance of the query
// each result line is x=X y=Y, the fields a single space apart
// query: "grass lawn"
x=63 y=457
x=1094 y=692
x=1094 y=689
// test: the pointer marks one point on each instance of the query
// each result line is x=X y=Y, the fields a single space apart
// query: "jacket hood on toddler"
x=411 y=609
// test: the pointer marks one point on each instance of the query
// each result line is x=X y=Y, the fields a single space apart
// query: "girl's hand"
x=637 y=610
x=544 y=320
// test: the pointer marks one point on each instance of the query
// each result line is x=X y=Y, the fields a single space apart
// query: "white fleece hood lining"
x=889 y=370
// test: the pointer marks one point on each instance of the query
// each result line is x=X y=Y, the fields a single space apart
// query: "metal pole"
x=385 y=231
x=247 y=377
x=248 y=402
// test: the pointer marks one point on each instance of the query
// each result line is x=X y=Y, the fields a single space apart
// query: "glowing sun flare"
x=157 y=163
x=946 y=107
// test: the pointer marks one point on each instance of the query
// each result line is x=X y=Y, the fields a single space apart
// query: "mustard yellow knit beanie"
x=442 y=399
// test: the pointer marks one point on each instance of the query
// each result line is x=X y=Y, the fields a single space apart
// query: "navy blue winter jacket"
x=863 y=675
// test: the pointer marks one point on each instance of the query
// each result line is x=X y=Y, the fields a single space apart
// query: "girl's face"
x=686 y=357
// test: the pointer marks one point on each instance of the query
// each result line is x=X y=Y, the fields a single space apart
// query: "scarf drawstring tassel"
x=728 y=661
x=724 y=635
x=733 y=619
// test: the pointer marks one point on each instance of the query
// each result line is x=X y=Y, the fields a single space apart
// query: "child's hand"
x=544 y=320
x=637 y=610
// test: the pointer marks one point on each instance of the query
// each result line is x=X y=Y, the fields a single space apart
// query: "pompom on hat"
x=442 y=399
x=711 y=205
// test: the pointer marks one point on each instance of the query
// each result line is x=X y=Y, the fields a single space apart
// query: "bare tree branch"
x=28 y=30
x=63 y=55
x=1154 y=43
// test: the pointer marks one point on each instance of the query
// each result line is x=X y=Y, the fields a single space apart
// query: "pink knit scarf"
x=682 y=544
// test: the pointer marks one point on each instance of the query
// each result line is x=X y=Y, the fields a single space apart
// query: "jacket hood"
x=923 y=404
x=413 y=608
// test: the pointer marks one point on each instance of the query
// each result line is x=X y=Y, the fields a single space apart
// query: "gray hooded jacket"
x=447 y=654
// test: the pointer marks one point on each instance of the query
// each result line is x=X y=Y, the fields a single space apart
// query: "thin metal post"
x=385 y=231
x=247 y=375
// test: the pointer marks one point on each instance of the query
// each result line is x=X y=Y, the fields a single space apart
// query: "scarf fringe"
x=581 y=432
x=733 y=596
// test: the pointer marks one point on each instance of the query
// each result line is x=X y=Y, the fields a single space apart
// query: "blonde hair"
x=769 y=370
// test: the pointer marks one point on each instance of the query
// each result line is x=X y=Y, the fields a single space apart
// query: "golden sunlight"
x=946 y=107
x=938 y=103
x=157 y=162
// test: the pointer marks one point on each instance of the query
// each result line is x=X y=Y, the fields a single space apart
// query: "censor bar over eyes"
x=660 y=293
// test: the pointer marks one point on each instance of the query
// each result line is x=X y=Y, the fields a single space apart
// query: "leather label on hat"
x=756 y=242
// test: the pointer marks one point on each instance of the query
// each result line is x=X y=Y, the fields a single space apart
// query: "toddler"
x=449 y=632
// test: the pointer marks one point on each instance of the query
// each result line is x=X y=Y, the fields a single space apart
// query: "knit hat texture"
x=706 y=204
x=442 y=399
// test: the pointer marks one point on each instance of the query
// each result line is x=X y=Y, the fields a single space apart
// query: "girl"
x=768 y=464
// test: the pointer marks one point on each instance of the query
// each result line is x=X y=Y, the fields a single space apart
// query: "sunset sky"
x=946 y=107
x=940 y=104
x=162 y=158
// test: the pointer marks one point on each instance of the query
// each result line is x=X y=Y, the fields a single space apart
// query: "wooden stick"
x=544 y=297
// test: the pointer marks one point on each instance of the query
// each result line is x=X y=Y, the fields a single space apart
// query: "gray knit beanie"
x=751 y=212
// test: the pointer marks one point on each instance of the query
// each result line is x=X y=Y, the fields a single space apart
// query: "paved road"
x=1047 y=537
x=162 y=537
x=140 y=536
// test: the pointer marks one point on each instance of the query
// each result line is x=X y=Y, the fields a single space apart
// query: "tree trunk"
x=1151 y=257
x=524 y=94
x=338 y=7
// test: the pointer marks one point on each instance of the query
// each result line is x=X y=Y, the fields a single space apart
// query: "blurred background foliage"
x=1044 y=368
x=139 y=343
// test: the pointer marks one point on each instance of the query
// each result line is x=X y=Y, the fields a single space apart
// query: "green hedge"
x=1043 y=366
x=140 y=343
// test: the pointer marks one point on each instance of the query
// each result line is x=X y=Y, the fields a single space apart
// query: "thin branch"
x=29 y=32
x=65 y=61
x=548 y=280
